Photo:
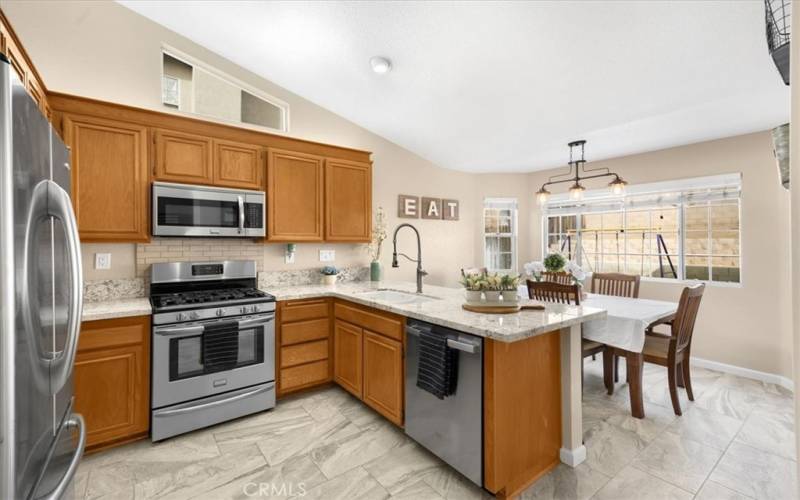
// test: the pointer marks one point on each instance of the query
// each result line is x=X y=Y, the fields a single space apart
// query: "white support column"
x=573 y=452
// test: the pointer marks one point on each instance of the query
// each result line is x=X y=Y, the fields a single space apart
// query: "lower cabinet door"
x=347 y=357
x=383 y=375
x=112 y=380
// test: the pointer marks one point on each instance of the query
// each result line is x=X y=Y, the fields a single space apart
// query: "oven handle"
x=180 y=411
x=179 y=331
x=241 y=213
x=249 y=323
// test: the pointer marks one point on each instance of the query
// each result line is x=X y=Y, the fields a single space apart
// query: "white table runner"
x=626 y=321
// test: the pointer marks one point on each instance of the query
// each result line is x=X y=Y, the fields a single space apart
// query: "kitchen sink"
x=396 y=297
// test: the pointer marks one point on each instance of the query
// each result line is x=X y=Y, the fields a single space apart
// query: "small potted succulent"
x=508 y=285
x=492 y=287
x=473 y=286
x=554 y=262
x=329 y=275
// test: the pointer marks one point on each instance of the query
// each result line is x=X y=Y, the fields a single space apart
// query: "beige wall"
x=130 y=47
x=744 y=326
x=747 y=326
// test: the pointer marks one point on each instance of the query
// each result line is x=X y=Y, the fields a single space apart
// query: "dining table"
x=625 y=327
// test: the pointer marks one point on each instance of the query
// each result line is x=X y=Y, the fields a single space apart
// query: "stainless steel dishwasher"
x=451 y=428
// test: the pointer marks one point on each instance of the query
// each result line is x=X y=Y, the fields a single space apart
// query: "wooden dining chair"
x=549 y=291
x=557 y=277
x=470 y=271
x=674 y=351
x=618 y=285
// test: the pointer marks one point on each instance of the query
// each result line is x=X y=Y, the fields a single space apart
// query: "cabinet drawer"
x=306 y=309
x=304 y=331
x=304 y=353
x=304 y=375
x=383 y=324
x=110 y=333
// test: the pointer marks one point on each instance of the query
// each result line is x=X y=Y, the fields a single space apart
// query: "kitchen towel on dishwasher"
x=438 y=365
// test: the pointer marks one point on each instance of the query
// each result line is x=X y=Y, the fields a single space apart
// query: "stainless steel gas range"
x=213 y=345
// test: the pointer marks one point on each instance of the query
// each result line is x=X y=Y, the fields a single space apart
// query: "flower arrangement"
x=534 y=269
x=329 y=275
x=576 y=271
x=493 y=286
x=378 y=235
x=554 y=262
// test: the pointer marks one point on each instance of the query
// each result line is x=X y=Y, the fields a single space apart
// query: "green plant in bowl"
x=554 y=262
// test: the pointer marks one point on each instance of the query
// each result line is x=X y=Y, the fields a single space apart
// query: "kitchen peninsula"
x=531 y=368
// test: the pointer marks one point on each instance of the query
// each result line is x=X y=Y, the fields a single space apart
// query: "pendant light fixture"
x=577 y=190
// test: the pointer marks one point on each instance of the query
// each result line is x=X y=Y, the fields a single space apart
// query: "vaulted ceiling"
x=502 y=87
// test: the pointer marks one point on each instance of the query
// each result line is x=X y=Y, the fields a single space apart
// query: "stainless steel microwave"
x=187 y=210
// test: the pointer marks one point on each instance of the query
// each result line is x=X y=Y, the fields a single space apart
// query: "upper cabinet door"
x=348 y=200
x=238 y=165
x=294 y=196
x=109 y=178
x=182 y=157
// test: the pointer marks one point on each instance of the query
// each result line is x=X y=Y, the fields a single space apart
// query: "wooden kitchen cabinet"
x=348 y=201
x=21 y=64
x=368 y=357
x=295 y=194
x=112 y=380
x=383 y=375
x=347 y=357
x=303 y=344
x=238 y=165
x=182 y=157
x=110 y=181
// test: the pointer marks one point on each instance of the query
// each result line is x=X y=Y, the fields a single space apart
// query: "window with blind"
x=500 y=234
x=686 y=229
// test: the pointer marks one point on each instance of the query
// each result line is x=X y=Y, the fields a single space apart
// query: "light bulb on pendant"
x=617 y=186
x=576 y=191
x=542 y=196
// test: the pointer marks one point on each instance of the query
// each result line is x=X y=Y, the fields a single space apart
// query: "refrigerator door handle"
x=75 y=420
x=60 y=207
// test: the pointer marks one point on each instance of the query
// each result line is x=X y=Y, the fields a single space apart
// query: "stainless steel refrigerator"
x=41 y=298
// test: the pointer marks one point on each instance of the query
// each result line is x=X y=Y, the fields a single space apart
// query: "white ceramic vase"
x=473 y=295
x=492 y=295
x=329 y=279
x=510 y=296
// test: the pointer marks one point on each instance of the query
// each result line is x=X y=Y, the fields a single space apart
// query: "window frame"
x=233 y=81
x=680 y=188
x=514 y=234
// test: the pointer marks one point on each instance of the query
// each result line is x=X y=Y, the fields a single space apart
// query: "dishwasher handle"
x=452 y=343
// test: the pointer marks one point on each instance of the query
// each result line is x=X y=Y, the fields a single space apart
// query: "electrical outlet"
x=327 y=255
x=288 y=257
x=102 y=261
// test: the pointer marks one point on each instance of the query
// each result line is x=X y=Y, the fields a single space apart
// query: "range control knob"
x=179 y=317
x=254 y=309
x=194 y=315
x=219 y=312
x=243 y=310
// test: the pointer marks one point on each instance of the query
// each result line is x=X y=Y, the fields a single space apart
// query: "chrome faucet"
x=420 y=272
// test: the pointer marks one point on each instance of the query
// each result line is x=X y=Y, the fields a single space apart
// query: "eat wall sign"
x=414 y=207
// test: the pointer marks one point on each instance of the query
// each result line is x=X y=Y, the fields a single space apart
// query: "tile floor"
x=735 y=441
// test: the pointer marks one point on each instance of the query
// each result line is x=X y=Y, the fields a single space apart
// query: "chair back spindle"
x=548 y=291
x=557 y=277
x=617 y=284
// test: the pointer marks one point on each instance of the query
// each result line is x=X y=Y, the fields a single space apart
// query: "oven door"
x=185 y=210
x=195 y=360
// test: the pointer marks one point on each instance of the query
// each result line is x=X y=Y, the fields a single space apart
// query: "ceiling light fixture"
x=380 y=65
x=577 y=190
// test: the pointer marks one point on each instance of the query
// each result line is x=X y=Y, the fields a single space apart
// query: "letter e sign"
x=408 y=206
x=431 y=208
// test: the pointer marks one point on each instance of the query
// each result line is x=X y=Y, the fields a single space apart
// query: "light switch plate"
x=102 y=261
x=327 y=255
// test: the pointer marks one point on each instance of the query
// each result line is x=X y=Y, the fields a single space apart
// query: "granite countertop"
x=444 y=309
x=117 y=308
